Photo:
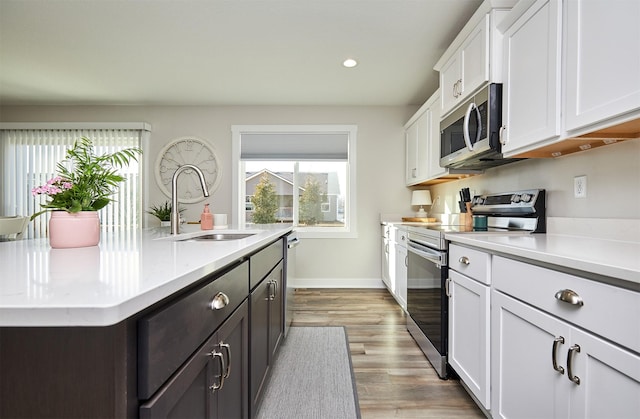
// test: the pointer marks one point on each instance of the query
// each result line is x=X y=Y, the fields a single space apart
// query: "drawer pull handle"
x=554 y=350
x=218 y=355
x=219 y=301
x=570 y=297
x=572 y=350
x=464 y=260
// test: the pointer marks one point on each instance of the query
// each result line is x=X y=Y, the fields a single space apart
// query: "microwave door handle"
x=479 y=121
x=465 y=128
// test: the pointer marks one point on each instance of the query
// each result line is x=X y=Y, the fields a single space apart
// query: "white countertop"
x=105 y=284
x=611 y=258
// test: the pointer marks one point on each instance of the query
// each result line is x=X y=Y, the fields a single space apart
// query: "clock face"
x=188 y=150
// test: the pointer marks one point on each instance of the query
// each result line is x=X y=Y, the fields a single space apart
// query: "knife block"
x=467 y=217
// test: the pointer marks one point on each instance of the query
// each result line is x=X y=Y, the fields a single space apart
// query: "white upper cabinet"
x=531 y=75
x=602 y=76
x=474 y=57
x=468 y=67
x=433 y=159
x=417 y=138
x=571 y=75
x=422 y=136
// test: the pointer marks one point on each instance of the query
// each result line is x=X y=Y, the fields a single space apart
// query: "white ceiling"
x=224 y=52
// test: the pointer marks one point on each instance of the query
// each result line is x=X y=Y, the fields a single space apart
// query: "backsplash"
x=613 y=183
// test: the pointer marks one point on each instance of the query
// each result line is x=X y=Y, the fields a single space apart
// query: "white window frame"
x=239 y=185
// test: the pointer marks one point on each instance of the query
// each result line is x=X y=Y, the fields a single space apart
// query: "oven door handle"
x=426 y=253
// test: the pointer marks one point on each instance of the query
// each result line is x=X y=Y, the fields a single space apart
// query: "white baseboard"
x=337 y=283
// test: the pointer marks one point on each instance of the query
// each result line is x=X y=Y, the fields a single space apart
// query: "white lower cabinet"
x=394 y=262
x=543 y=366
x=469 y=319
x=469 y=334
x=535 y=357
x=387 y=257
x=400 y=291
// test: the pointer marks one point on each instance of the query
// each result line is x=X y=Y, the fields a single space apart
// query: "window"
x=303 y=175
x=30 y=153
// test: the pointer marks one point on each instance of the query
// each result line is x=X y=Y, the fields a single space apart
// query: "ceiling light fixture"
x=349 y=63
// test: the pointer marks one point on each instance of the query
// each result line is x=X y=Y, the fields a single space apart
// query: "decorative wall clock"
x=188 y=150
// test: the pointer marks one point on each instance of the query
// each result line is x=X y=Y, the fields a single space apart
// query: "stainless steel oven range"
x=521 y=212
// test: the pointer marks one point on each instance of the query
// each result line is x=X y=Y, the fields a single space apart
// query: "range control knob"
x=515 y=199
x=478 y=200
x=525 y=197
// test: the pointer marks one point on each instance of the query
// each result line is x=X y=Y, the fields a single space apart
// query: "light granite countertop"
x=602 y=247
x=606 y=257
x=103 y=285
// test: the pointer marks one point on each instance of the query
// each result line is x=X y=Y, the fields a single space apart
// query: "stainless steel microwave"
x=470 y=135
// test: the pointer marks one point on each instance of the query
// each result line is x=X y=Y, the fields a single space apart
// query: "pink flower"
x=52 y=187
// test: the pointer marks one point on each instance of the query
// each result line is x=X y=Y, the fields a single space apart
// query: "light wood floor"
x=393 y=377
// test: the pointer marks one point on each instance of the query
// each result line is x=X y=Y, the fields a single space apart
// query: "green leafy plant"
x=265 y=202
x=85 y=181
x=310 y=202
x=163 y=211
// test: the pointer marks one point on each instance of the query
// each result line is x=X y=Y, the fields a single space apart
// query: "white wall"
x=380 y=167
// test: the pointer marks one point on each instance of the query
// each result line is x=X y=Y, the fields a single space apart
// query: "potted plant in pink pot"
x=84 y=184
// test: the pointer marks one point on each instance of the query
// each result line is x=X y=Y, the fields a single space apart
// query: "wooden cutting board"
x=418 y=220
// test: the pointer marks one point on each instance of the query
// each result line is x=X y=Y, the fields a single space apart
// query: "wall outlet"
x=580 y=187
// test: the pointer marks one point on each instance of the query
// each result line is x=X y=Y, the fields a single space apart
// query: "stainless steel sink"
x=220 y=237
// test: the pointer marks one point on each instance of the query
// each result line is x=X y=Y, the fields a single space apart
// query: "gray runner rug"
x=312 y=377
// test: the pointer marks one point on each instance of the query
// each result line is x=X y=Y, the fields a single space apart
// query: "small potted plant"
x=83 y=185
x=163 y=213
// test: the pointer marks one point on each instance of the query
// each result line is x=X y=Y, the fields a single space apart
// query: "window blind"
x=294 y=146
x=29 y=158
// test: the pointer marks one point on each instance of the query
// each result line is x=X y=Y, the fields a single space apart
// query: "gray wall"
x=380 y=166
x=613 y=172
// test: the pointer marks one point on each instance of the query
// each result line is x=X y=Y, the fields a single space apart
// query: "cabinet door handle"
x=406 y=261
x=464 y=260
x=570 y=297
x=227 y=349
x=554 y=350
x=219 y=301
x=273 y=290
x=218 y=355
x=572 y=350
x=446 y=287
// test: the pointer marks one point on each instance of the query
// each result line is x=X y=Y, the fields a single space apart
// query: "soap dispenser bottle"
x=206 y=219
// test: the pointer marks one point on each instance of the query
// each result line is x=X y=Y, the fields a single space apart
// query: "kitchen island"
x=136 y=326
x=105 y=284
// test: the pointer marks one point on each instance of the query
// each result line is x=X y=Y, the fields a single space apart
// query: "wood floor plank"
x=393 y=377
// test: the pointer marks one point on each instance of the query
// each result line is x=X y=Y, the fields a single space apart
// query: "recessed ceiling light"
x=349 y=63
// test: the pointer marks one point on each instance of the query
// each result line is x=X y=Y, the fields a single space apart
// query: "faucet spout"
x=175 y=213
